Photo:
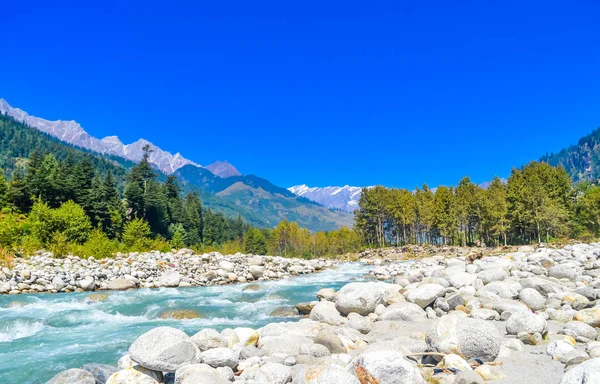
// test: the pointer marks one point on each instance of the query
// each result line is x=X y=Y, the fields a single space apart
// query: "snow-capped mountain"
x=73 y=133
x=223 y=169
x=344 y=198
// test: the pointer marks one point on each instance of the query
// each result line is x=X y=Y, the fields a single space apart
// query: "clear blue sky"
x=316 y=92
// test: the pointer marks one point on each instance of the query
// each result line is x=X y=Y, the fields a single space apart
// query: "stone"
x=250 y=351
x=470 y=338
x=525 y=322
x=284 y=312
x=330 y=340
x=326 y=312
x=169 y=279
x=73 y=376
x=562 y=272
x=404 y=311
x=425 y=294
x=558 y=349
x=220 y=357
x=256 y=271
x=164 y=349
x=585 y=373
x=492 y=274
x=358 y=322
x=246 y=336
x=578 y=329
x=489 y=372
x=199 y=373
x=575 y=301
x=208 y=338
x=590 y=316
x=101 y=372
x=533 y=299
x=461 y=279
x=180 y=314
x=324 y=375
x=87 y=283
x=96 y=297
x=385 y=366
x=273 y=373
x=361 y=298
x=328 y=294
x=120 y=284
x=125 y=362
x=314 y=350
x=305 y=308
x=286 y=344
x=485 y=314
x=58 y=283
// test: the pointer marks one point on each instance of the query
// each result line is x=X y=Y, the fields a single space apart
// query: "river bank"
x=524 y=317
x=43 y=273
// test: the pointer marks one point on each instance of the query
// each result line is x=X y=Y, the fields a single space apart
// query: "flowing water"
x=42 y=334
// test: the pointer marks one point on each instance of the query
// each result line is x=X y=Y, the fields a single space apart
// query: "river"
x=43 y=334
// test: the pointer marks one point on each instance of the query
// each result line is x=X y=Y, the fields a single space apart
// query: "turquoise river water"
x=42 y=334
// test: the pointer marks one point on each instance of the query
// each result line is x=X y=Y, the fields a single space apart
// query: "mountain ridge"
x=73 y=133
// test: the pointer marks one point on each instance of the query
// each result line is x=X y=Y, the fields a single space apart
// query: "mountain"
x=581 y=161
x=223 y=169
x=343 y=198
x=71 y=132
x=264 y=202
x=257 y=200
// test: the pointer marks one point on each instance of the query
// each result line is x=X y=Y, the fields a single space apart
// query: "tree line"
x=67 y=206
x=537 y=203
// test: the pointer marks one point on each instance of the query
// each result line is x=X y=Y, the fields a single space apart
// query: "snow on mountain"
x=344 y=198
x=73 y=133
x=223 y=169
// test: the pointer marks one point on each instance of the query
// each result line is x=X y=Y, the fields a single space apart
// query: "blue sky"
x=316 y=92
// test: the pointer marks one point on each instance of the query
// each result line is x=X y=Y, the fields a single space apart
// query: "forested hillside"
x=538 y=203
x=581 y=161
x=259 y=202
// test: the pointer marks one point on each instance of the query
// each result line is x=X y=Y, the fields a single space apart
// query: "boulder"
x=220 y=357
x=208 y=338
x=330 y=340
x=326 y=312
x=404 y=311
x=120 y=284
x=199 y=373
x=492 y=274
x=284 y=312
x=533 y=299
x=73 y=376
x=246 y=336
x=169 y=279
x=328 y=294
x=358 y=322
x=562 y=272
x=362 y=298
x=425 y=294
x=164 y=349
x=287 y=344
x=87 y=283
x=590 y=316
x=470 y=338
x=58 y=284
x=383 y=366
x=578 y=329
x=587 y=372
x=135 y=375
x=180 y=314
x=525 y=322
x=256 y=271
x=273 y=373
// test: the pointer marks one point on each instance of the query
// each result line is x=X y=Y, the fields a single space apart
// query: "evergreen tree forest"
x=68 y=206
x=537 y=204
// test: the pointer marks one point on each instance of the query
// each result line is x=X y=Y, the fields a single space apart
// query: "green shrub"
x=69 y=220
x=11 y=230
x=59 y=245
x=136 y=233
x=98 y=246
x=178 y=236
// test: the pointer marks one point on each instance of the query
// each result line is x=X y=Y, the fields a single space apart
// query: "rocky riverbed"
x=530 y=316
x=44 y=273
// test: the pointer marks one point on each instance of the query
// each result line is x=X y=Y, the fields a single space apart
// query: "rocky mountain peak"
x=223 y=169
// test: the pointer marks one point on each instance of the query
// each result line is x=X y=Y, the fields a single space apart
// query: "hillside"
x=581 y=161
x=258 y=201
x=262 y=202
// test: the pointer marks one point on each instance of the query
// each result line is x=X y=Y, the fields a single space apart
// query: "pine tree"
x=193 y=218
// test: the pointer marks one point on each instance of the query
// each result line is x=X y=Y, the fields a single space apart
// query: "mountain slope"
x=263 y=202
x=581 y=161
x=343 y=198
x=71 y=132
